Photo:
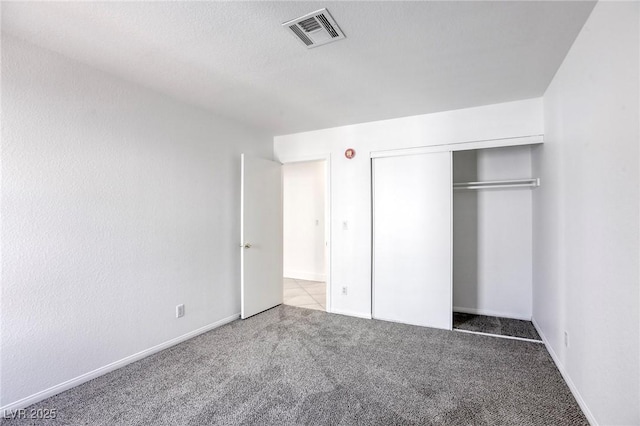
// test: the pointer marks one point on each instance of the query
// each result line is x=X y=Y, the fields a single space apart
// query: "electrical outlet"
x=566 y=339
x=179 y=311
x=344 y=290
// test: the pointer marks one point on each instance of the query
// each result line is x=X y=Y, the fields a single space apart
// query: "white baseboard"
x=307 y=276
x=351 y=313
x=54 y=390
x=572 y=387
x=487 y=312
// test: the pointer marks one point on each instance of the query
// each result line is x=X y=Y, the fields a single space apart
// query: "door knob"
x=246 y=245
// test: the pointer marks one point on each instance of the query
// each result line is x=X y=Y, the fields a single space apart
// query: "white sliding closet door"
x=412 y=219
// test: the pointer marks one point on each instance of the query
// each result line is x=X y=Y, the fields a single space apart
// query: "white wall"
x=304 y=227
x=351 y=179
x=586 y=216
x=492 y=257
x=117 y=204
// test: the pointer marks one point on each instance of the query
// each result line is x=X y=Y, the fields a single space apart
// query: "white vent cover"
x=315 y=28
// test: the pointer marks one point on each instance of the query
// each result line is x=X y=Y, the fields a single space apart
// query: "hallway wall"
x=304 y=223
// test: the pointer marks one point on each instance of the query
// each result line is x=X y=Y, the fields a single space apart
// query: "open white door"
x=261 y=235
x=412 y=239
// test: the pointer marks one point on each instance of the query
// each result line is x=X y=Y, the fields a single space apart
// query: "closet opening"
x=305 y=231
x=492 y=242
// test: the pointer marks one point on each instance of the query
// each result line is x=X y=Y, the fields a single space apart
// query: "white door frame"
x=327 y=210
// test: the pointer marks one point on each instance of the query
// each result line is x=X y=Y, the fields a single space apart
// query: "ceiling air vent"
x=315 y=28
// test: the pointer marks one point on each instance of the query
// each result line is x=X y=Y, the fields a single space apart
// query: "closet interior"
x=492 y=241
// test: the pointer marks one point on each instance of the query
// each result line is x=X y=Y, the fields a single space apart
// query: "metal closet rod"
x=513 y=183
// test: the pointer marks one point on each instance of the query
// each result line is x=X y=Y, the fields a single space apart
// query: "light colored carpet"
x=299 y=366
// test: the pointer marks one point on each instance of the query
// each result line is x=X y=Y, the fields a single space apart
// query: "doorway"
x=305 y=234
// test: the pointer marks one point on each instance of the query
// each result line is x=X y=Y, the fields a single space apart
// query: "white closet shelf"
x=513 y=183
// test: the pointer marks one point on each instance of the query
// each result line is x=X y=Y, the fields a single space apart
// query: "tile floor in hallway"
x=305 y=294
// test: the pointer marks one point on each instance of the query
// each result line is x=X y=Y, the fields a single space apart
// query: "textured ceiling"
x=234 y=58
